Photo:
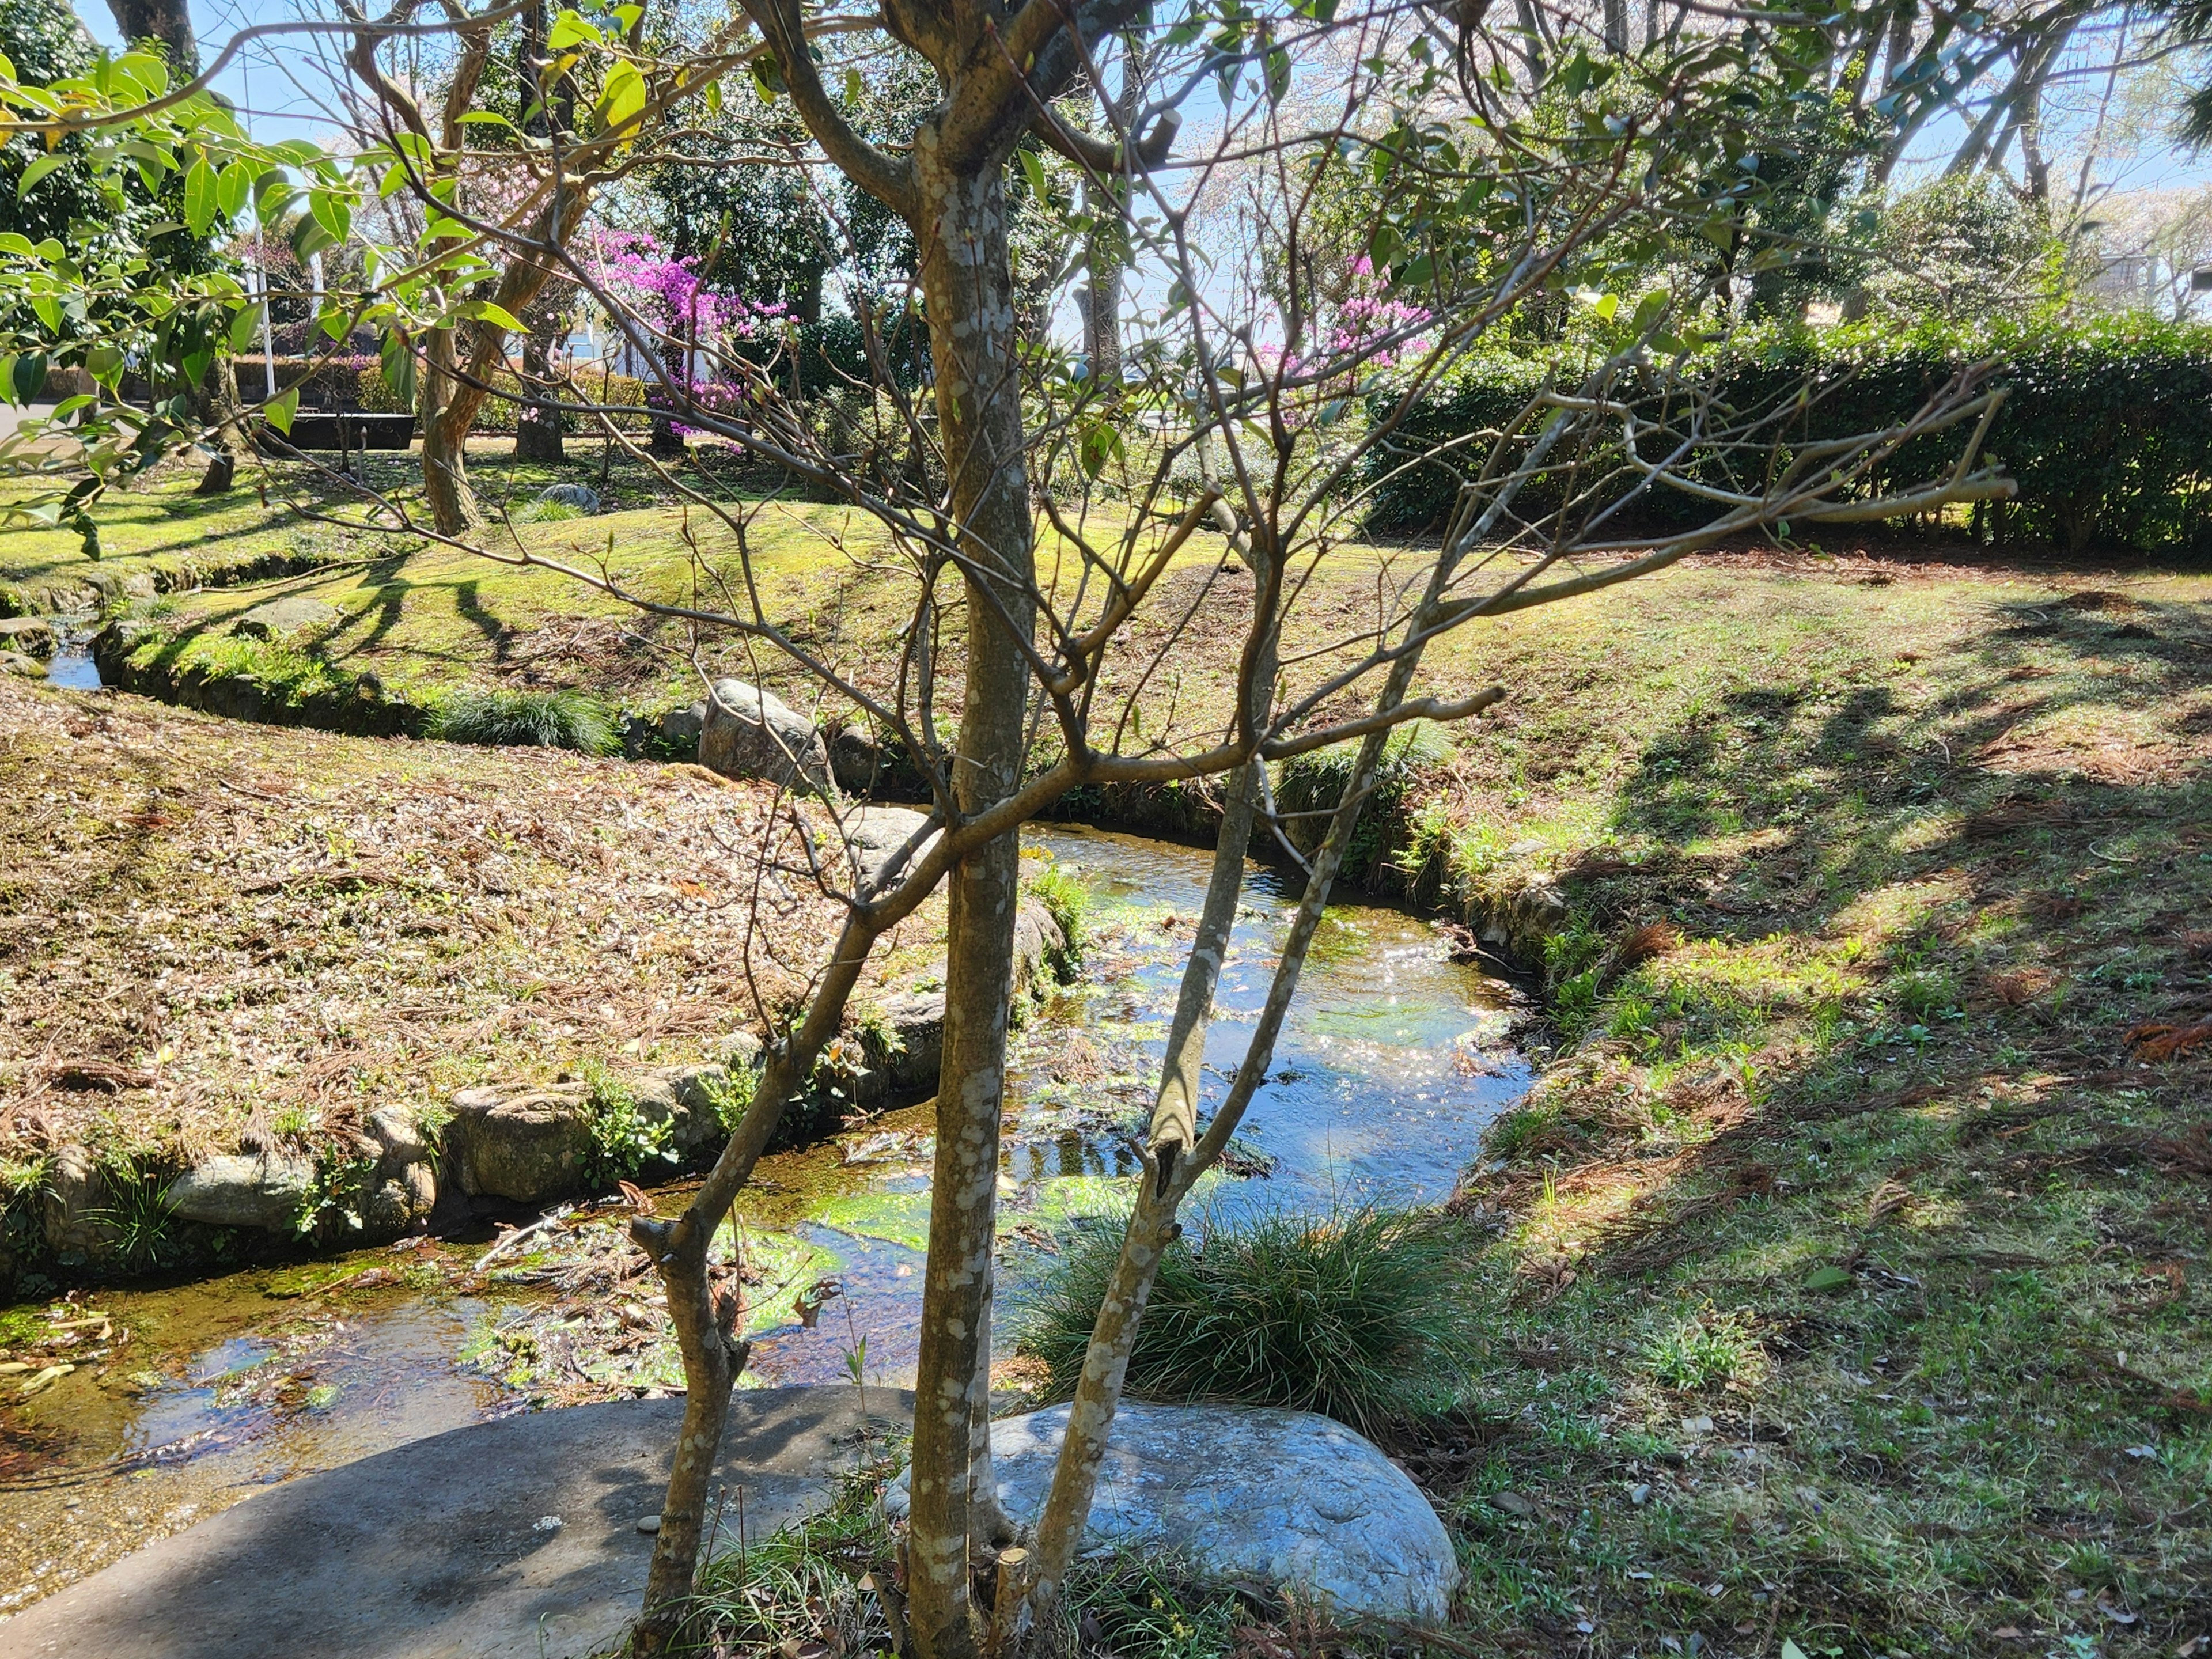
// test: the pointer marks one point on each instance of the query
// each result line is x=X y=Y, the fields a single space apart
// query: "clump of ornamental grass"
x=1363 y=1317
x=545 y=719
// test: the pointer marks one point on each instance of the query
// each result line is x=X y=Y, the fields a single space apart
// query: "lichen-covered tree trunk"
x=968 y=276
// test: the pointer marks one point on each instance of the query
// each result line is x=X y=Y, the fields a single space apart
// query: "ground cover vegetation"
x=1368 y=207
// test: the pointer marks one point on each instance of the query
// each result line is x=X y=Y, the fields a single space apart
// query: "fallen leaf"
x=1826 y=1281
x=1512 y=1503
x=46 y=1379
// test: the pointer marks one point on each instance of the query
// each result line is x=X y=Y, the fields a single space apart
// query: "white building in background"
x=2154 y=253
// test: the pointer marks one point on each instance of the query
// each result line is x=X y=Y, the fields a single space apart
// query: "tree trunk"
x=449 y=409
x=538 y=421
x=968 y=279
x=168 y=22
x=707 y=1324
x=1105 y=253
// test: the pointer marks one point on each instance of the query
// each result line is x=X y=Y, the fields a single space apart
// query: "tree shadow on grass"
x=1876 y=1117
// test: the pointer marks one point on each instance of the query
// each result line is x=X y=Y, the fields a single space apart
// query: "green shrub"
x=545 y=719
x=1314 y=783
x=613 y=391
x=1362 y=1317
x=1066 y=896
x=2106 y=425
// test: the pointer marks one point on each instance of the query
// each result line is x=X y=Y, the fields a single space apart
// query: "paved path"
x=437 y=1550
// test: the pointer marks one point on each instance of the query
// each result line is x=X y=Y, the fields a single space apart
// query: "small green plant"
x=799 y=1589
x=731 y=1093
x=136 y=1216
x=544 y=720
x=340 y=1185
x=624 y=1140
x=1148 y=1605
x=1357 y=1315
x=1067 y=898
x=1710 y=1349
x=1928 y=995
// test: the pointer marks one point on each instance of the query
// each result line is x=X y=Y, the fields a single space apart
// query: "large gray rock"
x=31 y=635
x=872 y=834
x=752 y=733
x=582 y=498
x=76 y=1208
x=915 y=1020
x=529 y=1146
x=268 y=1191
x=689 y=1100
x=855 y=760
x=280 y=618
x=404 y=1189
x=683 y=725
x=14 y=662
x=1286 y=1498
x=1518 y=918
x=441 y=1547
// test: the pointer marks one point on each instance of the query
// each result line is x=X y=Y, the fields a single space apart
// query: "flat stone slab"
x=1289 y=1499
x=502 y=1541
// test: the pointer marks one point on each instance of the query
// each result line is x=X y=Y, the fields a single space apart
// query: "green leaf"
x=38 y=170
x=13 y=241
x=280 y=409
x=1828 y=1280
x=571 y=30
x=1033 y=171
x=49 y=311
x=623 y=99
x=310 y=237
x=855 y=87
x=231 y=187
x=333 y=211
x=26 y=376
x=1101 y=445
x=104 y=364
x=398 y=366
x=245 y=323
x=200 y=196
x=485 y=311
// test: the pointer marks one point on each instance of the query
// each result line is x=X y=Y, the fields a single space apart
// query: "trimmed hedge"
x=2106 y=425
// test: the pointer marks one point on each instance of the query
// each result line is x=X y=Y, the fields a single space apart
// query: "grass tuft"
x=1355 y=1316
x=1066 y=896
x=545 y=719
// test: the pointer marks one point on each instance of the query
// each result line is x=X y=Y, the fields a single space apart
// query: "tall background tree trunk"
x=968 y=278
x=168 y=22
x=538 y=421
x=1105 y=254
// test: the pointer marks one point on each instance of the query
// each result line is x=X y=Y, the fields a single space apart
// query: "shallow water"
x=1391 y=1065
x=71 y=666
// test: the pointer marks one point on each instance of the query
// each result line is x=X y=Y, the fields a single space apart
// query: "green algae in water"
x=900 y=1218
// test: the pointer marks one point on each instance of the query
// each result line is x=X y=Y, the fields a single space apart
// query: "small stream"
x=71 y=666
x=184 y=1399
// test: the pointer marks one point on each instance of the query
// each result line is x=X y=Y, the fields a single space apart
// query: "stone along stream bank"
x=185 y=1399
